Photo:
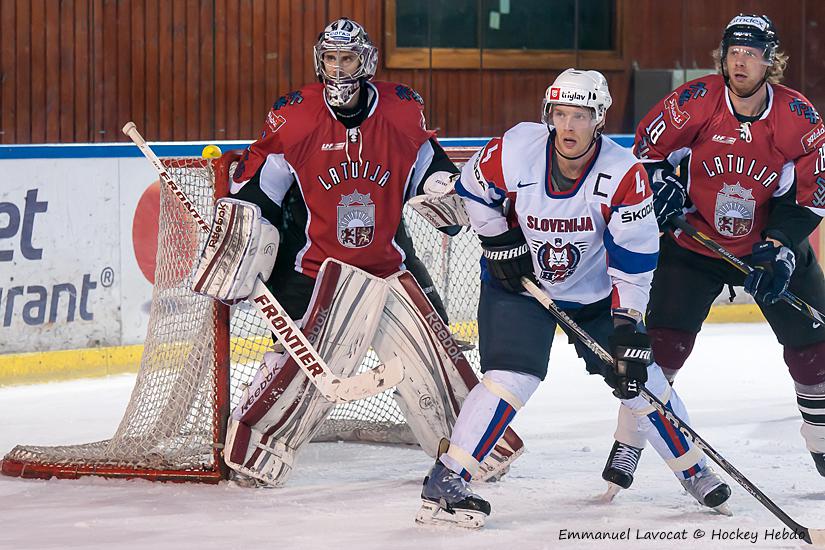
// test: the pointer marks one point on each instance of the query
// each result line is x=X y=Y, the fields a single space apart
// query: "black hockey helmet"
x=755 y=31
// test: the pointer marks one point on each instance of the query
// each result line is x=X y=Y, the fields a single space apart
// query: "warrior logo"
x=356 y=220
x=735 y=207
x=559 y=260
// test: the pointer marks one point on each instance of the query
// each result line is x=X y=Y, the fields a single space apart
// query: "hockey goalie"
x=321 y=192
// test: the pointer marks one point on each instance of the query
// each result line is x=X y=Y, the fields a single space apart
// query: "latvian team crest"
x=558 y=260
x=735 y=207
x=356 y=220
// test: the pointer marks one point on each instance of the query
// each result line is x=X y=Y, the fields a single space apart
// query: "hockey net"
x=199 y=354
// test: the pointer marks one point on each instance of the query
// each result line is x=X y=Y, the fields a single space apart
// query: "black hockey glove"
x=631 y=356
x=772 y=269
x=508 y=258
x=669 y=196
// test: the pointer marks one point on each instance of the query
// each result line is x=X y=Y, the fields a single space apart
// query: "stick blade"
x=817 y=537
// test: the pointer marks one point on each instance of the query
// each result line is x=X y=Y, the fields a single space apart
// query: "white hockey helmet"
x=580 y=89
x=344 y=35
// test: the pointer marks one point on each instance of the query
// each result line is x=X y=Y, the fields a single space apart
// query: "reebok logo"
x=332 y=146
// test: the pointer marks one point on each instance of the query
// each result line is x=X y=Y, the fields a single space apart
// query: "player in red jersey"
x=353 y=151
x=749 y=152
x=322 y=191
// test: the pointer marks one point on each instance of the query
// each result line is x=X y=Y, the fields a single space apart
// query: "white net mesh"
x=174 y=419
x=171 y=421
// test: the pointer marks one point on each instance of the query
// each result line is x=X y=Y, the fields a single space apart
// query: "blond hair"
x=776 y=72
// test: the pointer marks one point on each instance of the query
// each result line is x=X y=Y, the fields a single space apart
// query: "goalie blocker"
x=241 y=246
x=349 y=312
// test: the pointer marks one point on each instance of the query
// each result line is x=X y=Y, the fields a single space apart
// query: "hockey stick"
x=334 y=389
x=811 y=536
x=795 y=302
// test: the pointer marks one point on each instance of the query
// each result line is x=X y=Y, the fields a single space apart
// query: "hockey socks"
x=485 y=414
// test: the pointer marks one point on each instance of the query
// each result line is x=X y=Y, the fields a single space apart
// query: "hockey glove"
x=508 y=258
x=772 y=269
x=631 y=356
x=669 y=196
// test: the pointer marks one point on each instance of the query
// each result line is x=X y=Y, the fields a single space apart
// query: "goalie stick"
x=811 y=536
x=333 y=388
x=795 y=302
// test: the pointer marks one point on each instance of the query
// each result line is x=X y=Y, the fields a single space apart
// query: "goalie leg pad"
x=241 y=247
x=438 y=376
x=284 y=410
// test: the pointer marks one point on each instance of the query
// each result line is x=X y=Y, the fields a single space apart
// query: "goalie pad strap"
x=241 y=246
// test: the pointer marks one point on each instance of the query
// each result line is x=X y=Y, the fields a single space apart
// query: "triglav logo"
x=572 y=95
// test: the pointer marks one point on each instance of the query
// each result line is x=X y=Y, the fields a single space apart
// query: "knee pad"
x=806 y=364
x=671 y=348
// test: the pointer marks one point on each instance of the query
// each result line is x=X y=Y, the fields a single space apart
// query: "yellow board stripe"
x=49 y=366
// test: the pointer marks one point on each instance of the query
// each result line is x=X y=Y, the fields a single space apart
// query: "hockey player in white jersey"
x=561 y=204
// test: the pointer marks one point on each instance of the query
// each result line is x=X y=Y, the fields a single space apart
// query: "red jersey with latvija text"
x=734 y=168
x=354 y=182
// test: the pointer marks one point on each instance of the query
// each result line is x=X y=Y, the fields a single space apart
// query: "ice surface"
x=365 y=496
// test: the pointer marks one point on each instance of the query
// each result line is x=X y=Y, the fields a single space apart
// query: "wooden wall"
x=76 y=70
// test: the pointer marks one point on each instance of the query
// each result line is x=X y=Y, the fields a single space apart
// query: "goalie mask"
x=577 y=88
x=344 y=56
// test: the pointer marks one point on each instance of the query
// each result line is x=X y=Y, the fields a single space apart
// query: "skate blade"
x=433 y=514
x=609 y=495
x=724 y=509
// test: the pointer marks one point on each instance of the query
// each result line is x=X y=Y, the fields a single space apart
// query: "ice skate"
x=619 y=470
x=819 y=460
x=709 y=489
x=447 y=500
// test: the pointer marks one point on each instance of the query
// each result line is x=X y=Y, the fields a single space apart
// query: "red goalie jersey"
x=354 y=182
x=735 y=168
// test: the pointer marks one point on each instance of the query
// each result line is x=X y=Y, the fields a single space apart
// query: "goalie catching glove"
x=508 y=258
x=241 y=246
x=631 y=354
x=440 y=204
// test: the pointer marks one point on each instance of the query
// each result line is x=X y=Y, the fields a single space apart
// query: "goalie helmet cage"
x=199 y=354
